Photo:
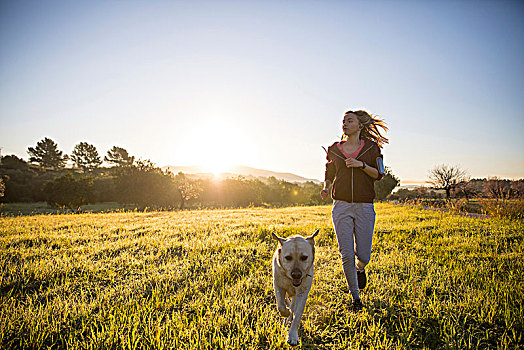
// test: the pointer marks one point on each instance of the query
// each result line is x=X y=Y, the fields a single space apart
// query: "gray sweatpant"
x=354 y=224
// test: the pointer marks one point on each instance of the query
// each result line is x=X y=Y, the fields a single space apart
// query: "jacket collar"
x=368 y=145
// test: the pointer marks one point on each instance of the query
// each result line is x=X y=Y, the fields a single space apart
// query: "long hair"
x=370 y=125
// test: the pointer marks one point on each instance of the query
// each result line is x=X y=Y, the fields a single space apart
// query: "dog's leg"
x=281 y=302
x=288 y=320
x=292 y=307
x=297 y=307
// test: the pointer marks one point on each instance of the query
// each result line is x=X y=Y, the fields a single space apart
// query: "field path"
x=461 y=213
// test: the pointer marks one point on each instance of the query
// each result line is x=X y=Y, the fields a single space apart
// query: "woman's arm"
x=329 y=176
x=325 y=191
x=369 y=170
x=372 y=172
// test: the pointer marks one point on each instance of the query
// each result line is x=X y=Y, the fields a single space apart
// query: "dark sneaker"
x=357 y=305
x=361 y=278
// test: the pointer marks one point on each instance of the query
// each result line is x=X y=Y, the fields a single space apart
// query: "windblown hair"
x=370 y=124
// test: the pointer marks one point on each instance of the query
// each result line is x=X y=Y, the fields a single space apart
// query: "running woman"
x=353 y=166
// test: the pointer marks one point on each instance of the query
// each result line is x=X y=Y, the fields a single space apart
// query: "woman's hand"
x=353 y=163
x=324 y=194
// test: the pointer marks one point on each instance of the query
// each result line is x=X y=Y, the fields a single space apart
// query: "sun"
x=219 y=165
x=223 y=149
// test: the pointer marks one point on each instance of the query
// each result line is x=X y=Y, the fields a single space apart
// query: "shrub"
x=145 y=185
x=512 y=209
x=68 y=191
x=458 y=205
x=384 y=186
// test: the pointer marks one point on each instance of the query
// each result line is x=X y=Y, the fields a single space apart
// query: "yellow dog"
x=293 y=277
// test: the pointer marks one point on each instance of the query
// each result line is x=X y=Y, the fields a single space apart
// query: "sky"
x=266 y=83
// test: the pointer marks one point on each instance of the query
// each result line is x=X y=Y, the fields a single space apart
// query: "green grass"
x=202 y=279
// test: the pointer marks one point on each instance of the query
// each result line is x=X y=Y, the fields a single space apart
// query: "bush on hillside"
x=384 y=186
x=511 y=209
x=145 y=185
x=69 y=192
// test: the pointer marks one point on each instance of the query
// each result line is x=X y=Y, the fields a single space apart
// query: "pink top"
x=352 y=155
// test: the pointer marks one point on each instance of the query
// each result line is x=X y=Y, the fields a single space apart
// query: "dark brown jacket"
x=352 y=184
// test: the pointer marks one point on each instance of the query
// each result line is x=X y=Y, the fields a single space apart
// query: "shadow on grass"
x=401 y=327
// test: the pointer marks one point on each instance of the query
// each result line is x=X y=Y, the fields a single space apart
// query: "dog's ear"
x=279 y=250
x=279 y=239
x=311 y=239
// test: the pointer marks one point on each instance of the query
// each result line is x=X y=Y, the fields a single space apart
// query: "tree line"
x=454 y=182
x=140 y=183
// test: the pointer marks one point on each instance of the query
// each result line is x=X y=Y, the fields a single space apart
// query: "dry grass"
x=202 y=279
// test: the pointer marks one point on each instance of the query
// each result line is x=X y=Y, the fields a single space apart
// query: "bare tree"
x=446 y=177
x=498 y=188
x=468 y=189
x=518 y=188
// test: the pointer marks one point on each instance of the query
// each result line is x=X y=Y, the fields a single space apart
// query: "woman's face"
x=350 y=124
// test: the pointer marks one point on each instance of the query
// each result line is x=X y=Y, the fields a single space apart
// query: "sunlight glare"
x=223 y=149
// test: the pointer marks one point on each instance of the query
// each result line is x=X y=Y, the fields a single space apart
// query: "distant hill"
x=247 y=172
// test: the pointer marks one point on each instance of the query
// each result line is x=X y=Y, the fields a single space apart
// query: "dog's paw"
x=284 y=312
x=293 y=340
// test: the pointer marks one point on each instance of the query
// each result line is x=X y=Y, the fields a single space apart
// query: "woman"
x=354 y=165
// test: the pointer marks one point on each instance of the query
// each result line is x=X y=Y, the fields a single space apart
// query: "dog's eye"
x=289 y=257
x=303 y=257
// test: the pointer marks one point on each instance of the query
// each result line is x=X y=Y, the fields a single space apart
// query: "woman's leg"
x=343 y=222
x=364 y=226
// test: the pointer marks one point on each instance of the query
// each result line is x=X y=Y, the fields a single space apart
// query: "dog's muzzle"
x=296 y=278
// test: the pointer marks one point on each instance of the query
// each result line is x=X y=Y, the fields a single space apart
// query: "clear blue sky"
x=186 y=83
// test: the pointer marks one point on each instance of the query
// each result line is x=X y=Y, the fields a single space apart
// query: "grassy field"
x=35 y=208
x=202 y=280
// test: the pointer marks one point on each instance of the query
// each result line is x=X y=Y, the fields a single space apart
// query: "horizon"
x=232 y=170
x=266 y=84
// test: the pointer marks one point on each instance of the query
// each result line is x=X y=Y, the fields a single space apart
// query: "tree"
x=119 y=157
x=469 y=189
x=86 y=157
x=277 y=191
x=143 y=184
x=518 y=188
x=187 y=189
x=67 y=191
x=13 y=162
x=444 y=177
x=46 y=154
x=384 y=186
x=404 y=194
x=498 y=189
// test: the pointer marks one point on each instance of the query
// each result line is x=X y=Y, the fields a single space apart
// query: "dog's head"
x=296 y=255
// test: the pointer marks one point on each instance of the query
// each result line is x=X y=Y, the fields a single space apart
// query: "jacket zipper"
x=351 y=185
x=358 y=156
x=361 y=154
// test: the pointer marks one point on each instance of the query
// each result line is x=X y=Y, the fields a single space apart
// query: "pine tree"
x=85 y=156
x=46 y=154
x=119 y=157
